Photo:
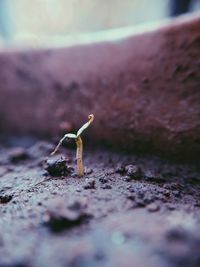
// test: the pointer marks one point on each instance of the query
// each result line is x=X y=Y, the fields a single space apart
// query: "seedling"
x=79 y=145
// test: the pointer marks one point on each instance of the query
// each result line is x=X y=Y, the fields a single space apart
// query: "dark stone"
x=103 y=179
x=58 y=167
x=131 y=196
x=176 y=193
x=133 y=171
x=88 y=171
x=120 y=169
x=90 y=184
x=106 y=186
x=60 y=221
x=5 y=199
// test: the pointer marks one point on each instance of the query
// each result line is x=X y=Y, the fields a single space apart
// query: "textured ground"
x=126 y=210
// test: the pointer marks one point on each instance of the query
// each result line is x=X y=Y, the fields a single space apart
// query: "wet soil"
x=127 y=210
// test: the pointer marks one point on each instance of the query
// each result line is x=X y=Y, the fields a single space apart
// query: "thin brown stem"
x=79 y=156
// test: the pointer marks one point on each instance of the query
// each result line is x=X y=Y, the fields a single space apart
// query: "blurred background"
x=25 y=20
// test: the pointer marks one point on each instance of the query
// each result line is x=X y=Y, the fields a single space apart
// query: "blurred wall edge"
x=143 y=90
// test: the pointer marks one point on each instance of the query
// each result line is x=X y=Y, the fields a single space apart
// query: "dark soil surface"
x=126 y=210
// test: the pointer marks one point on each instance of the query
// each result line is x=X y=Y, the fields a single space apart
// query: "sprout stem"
x=79 y=156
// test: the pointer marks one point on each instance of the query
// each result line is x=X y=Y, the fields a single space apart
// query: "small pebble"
x=153 y=207
x=103 y=179
x=88 y=170
x=133 y=171
x=131 y=196
x=5 y=199
x=152 y=176
x=120 y=169
x=90 y=184
x=64 y=220
x=176 y=193
x=17 y=154
x=171 y=206
x=106 y=186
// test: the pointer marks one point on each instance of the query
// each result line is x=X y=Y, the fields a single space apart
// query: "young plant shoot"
x=79 y=145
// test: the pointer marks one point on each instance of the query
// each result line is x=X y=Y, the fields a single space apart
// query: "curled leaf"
x=91 y=118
